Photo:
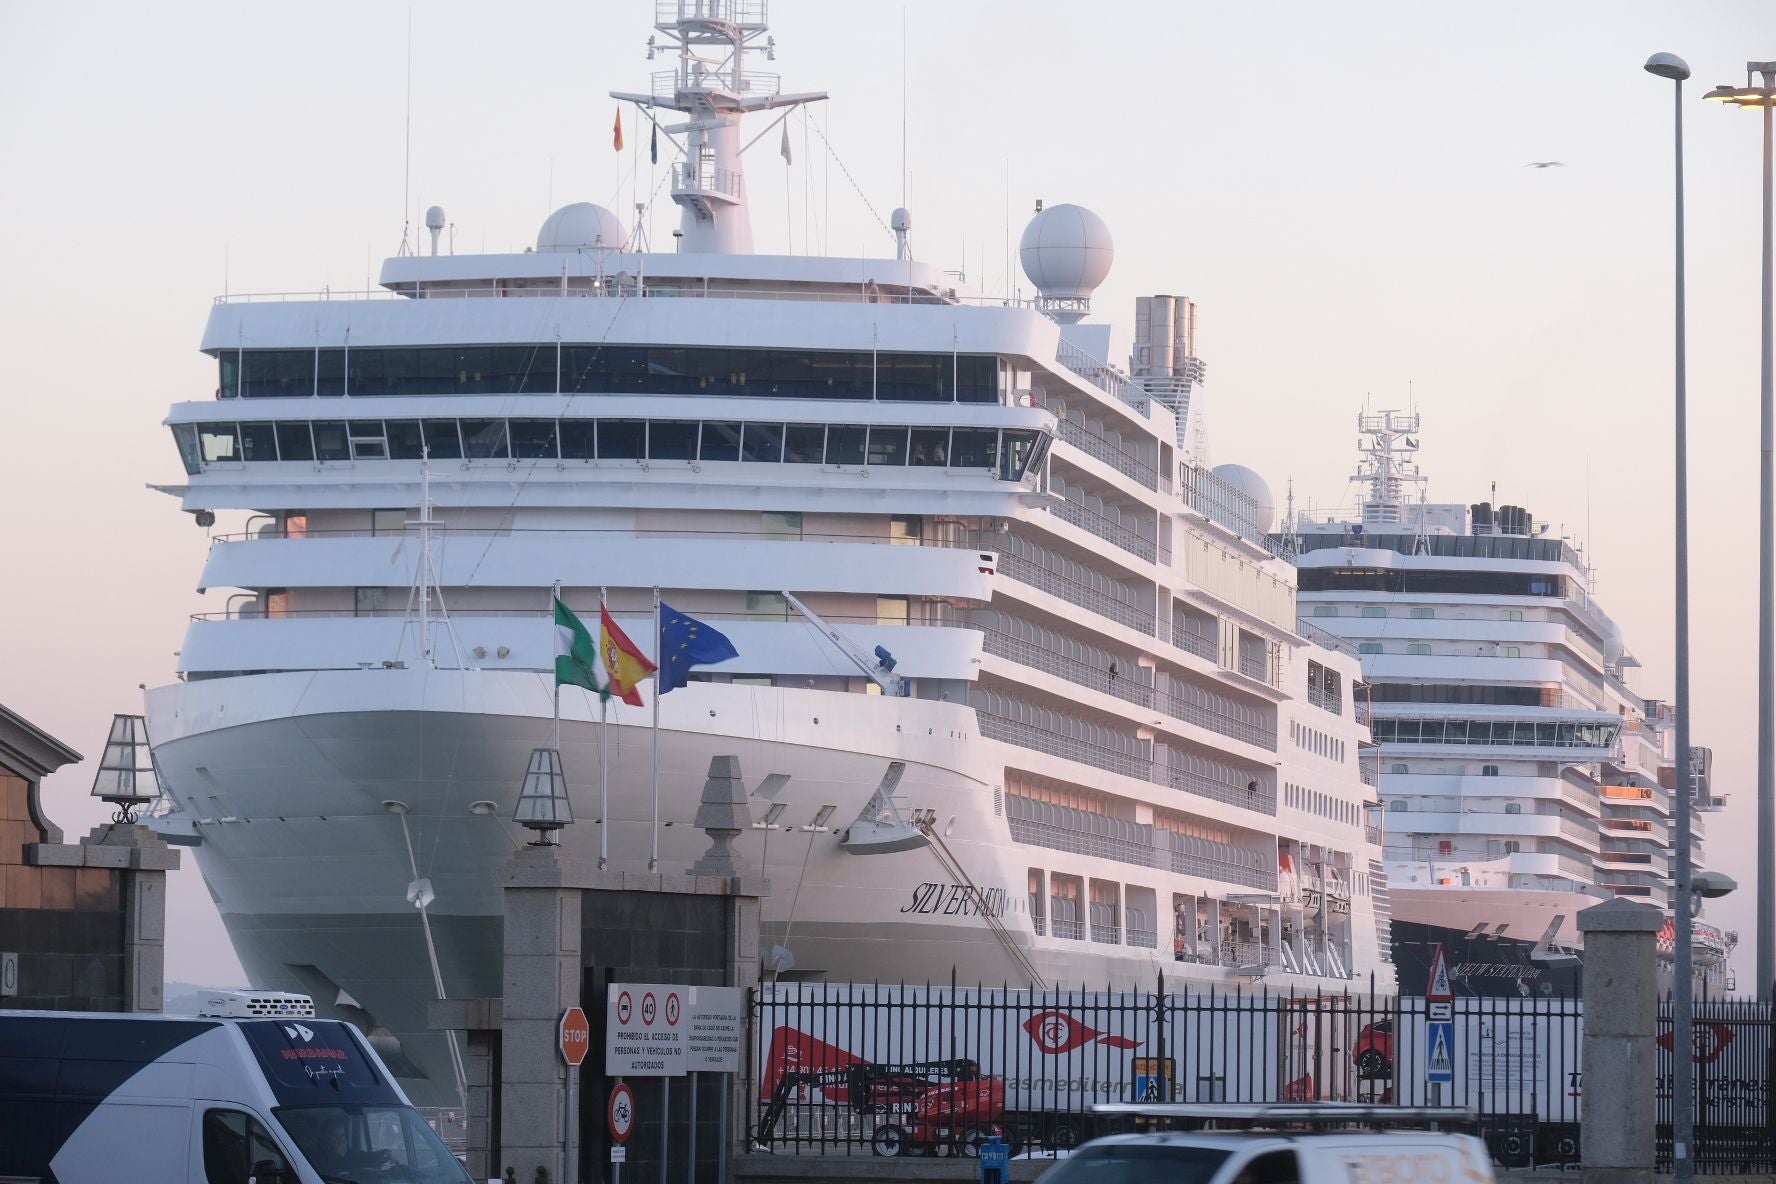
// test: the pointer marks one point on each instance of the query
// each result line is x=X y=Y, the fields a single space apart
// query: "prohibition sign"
x=625 y=1007
x=672 y=1010
x=621 y=1115
x=648 y=1009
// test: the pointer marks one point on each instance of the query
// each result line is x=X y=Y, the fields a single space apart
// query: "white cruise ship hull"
x=289 y=773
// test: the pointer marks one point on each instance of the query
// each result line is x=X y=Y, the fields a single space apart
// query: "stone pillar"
x=140 y=860
x=1620 y=1057
x=542 y=978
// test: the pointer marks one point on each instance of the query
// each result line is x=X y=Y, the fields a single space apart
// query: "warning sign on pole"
x=1437 y=988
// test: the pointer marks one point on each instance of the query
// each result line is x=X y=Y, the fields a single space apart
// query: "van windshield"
x=364 y=1144
x=1138 y=1163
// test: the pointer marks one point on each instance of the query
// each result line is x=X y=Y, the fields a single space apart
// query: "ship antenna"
x=407 y=152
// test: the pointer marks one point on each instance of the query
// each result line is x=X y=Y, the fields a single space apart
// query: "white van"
x=93 y=1098
x=1268 y=1157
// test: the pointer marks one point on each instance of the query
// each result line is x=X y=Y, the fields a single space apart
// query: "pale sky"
x=1341 y=187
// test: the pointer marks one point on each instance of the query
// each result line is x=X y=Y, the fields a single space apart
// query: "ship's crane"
x=878 y=668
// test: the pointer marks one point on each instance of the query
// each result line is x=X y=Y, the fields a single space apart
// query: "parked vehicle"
x=1205 y=1157
x=253 y=1091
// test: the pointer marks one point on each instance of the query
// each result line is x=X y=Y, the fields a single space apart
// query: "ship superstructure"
x=1116 y=752
x=1525 y=778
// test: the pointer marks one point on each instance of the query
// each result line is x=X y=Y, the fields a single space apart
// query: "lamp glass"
x=126 y=771
x=542 y=799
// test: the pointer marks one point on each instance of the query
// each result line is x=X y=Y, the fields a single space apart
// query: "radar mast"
x=714 y=87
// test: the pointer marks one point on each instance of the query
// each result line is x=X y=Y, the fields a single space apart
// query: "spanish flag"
x=617 y=131
x=627 y=666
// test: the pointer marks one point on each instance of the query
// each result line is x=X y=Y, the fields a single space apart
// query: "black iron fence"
x=877 y=1069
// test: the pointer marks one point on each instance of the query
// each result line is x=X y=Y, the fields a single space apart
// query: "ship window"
x=622 y=439
x=1019 y=446
x=532 y=439
x=845 y=444
x=388 y=522
x=1372 y=610
x=219 y=441
x=1512 y=846
x=1399 y=804
x=485 y=439
x=294 y=442
x=369 y=602
x=887 y=446
x=931 y=447
x=366 y=439
x=1513 y=807
x=973 y=448
x=1398 y=768
x=762 y=442
x=721 y=441
x=258 y=441
x=1369 y=647
x=1325 y=610
x=1489 y=770
x=904 y=531
x=405 y=440
x=331 y=441
x=576 y=439
x=1424 y=613
x=442 y=440
x=1418 y=648
x=1508 y=651
x=767 y=604
x=804 y=443
x=892 y=610
x=672 y=440
x=185 y=436
x=780 y=524
x=1511 y=614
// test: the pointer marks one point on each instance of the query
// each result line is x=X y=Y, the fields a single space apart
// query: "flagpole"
x=554 y=596
x=654 y=859
x=604 y=806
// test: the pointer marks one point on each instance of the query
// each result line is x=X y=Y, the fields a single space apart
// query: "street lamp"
x=1763 y=96
x=1683 y=1101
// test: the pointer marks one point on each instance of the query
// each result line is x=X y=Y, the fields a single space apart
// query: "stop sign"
x=576 y=1036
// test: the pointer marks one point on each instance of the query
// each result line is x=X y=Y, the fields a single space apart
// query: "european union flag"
x=686 y=642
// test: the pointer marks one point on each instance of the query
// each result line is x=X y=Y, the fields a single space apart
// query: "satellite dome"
x=581 y=227
x=1066 y=251
x=435 y=218
x=1254 y=487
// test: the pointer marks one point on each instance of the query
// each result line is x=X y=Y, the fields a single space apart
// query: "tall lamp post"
x=1763 y=96
x=1683 y=1100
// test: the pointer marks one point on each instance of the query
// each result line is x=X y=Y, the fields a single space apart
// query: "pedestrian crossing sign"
x=1153 y=1079
x=1440 y=1051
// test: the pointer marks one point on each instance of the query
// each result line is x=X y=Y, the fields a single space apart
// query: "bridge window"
x=622 y=439
x=442 y=439
x=804 y=443
x=762 y=442
x=721 y=441
x=672 y=439
x=485 y=439
x=845 y=444
x=533 y=439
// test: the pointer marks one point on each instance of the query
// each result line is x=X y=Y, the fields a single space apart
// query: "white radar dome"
x=1066 y=251
x=581 y=227
x=435 y=218
x=1254 y=487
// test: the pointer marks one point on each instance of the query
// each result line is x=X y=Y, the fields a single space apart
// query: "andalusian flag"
x=625 y=666
x=576 y=658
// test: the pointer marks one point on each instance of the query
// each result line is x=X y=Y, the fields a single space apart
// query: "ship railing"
x=880 y=291
x=1323 y=639
x=1103 y=376
x=1026 y=571
x=1325 y=700
x=1143 y=939
x=1109 y=530
x=1099 y=448
x=667 y=83
x=1106 y=935
x=965 y=541
x=1254 y=667
x=1028 y=653
x=247 y=609
x=1195 y=643
x=1129 y=851
x=1069 y=930
x=721 y=12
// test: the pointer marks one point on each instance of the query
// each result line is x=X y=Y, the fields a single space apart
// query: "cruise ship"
x=1524 y=777
x=1020 y=691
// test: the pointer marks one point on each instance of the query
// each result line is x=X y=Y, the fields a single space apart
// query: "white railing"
x=1100 y=375
x=1026 y=571
x=1098 y=447
x=1107 y=529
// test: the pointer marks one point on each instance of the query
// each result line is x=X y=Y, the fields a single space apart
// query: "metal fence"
x=862 y=1069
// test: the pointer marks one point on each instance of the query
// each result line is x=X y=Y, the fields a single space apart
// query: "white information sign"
x=713 y=1042
x=644 y=1030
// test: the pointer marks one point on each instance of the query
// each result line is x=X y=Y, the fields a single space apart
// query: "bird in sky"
x=1545 y=164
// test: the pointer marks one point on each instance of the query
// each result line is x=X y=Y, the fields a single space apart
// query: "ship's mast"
x=713 y=87
x=1388 y=467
